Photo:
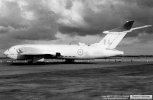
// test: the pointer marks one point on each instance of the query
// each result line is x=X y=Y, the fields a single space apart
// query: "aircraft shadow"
x=51 y=63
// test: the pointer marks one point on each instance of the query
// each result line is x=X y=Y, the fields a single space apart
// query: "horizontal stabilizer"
x=140 y=27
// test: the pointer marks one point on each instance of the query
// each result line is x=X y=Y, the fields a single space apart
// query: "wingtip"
x=148 y=25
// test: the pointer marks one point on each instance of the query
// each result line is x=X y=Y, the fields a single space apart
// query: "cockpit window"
x=18 y=51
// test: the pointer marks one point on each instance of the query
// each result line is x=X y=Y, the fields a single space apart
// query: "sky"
x=73 y=21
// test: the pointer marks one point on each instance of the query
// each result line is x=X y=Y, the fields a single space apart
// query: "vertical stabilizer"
x=113 y=37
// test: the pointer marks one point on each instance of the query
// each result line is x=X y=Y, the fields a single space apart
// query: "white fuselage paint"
x=105 y=48
x=67 y=51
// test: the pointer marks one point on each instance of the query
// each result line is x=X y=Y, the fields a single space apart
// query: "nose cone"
x=6 y=53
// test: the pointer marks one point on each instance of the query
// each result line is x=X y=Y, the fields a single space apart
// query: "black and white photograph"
x=76 y=49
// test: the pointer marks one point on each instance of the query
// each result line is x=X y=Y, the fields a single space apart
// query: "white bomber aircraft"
x=105 y=48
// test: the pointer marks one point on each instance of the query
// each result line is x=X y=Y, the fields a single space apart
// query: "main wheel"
x=69 y=60
x=32 y=61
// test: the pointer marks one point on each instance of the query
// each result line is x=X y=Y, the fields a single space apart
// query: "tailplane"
x=113 y=37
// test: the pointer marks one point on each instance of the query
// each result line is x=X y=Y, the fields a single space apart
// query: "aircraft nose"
x=6 y=53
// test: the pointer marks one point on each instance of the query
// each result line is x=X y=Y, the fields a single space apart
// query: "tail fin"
x=114 y=36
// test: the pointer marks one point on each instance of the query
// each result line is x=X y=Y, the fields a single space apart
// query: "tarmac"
x=82 y=80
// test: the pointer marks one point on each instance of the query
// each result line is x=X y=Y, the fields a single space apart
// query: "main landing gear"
x=69 y=60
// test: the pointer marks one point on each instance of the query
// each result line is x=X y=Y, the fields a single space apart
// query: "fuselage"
x=104 y=48
x=66 y=51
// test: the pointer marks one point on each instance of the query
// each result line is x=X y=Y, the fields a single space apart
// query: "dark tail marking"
x=128 y=25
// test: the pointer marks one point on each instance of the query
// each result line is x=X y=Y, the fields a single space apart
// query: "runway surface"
x=79 y=81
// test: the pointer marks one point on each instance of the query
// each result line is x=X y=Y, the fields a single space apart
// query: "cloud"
x=100 y=15
x=10 y=15
x=137 y=48
x=29 y=19
x=5 y=29
x=70 y=12
x=88 y=39
x=82 y=17
x=67 y=39
x=144 y=3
